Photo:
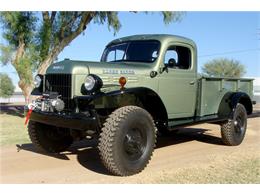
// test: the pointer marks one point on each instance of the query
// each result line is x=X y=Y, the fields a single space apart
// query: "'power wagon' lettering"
x=113 y=71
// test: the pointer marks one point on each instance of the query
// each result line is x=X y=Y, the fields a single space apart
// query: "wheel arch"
x=230 y=100
x=143 y=97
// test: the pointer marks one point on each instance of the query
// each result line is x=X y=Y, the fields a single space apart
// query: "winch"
x=49 y=102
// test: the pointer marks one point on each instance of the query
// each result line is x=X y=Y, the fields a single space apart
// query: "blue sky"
x=234 y=35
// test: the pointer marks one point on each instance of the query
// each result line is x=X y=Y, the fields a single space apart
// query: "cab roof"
x=159 y=37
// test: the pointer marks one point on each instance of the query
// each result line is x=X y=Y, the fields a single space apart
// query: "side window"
x=170 y=54
x=178 y=57
x=115 y=55
x=119 y=54
x=111 y=56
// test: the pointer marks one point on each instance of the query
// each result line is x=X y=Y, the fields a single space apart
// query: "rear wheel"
x=233 y=131
x=127 y=140
x=47 y=138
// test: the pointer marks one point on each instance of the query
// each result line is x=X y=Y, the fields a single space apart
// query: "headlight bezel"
x=89 y=83
x=96 y=84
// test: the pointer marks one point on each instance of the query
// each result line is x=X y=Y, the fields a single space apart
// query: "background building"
x=17 y=97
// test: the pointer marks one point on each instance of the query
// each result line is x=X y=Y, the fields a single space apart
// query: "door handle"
x=192 y=82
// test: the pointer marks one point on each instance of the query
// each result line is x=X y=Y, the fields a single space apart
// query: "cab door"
x=177 y=83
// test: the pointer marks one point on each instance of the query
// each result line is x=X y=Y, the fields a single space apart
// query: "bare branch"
x=19 y=53
x=86 y=18
x=67 y=26
x=53 y=14
x=45 y=15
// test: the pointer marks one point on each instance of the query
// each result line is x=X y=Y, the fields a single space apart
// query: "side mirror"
x=162 y=69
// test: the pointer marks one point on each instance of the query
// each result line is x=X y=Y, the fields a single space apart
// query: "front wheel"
x=233 y=131
x=47 y=138
x=127 y=140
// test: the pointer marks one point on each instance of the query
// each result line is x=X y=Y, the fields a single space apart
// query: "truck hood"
x=108 y=72
x=99 y=68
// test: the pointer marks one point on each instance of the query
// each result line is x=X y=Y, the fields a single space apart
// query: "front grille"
x=60 y=83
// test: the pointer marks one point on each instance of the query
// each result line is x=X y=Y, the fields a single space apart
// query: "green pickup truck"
x=143 y=84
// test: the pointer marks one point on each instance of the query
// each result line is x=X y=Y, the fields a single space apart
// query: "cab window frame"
x=189 y=53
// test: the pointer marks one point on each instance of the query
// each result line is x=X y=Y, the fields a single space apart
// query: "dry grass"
x=243 y=170
x=12 y=130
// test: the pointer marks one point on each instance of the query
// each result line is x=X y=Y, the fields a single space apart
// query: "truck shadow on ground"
x=187 y=135
x=87 y=153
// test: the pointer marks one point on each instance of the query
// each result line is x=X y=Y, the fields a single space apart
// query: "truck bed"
x=212 y=89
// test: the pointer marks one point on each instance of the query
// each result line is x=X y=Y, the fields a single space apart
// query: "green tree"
x=34 y=40
x=224 y=67
x=6 y=86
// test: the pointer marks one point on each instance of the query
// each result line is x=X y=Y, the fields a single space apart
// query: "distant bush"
x=224 y=67
x=6 y=86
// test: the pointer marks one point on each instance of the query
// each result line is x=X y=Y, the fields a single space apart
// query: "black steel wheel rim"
x=134 y=143
x=239 y=124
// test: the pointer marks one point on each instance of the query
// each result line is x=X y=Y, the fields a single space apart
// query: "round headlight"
x=37 y=81
x=92 y=83
x=89 y=83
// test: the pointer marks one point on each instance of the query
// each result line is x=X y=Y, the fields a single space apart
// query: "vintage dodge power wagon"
x=144 y=84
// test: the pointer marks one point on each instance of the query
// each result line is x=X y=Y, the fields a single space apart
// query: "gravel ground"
x=195 y=155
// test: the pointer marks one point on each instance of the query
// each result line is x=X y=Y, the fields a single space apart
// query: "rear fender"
x=229 y=102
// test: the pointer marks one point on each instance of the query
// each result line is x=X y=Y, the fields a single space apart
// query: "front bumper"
x=77 y=121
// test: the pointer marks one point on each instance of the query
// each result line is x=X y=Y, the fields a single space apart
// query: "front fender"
x=139 y=96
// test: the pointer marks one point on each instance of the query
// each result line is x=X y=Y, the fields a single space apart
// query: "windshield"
x=132 y=51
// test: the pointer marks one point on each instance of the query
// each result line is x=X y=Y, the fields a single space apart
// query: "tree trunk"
x=26 y=78
x=24 y=72
x=53 y=54
x=51 y=57
x=45 y=64
x=26 y=89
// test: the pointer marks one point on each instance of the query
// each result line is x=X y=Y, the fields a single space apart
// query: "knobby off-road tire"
x=233 y=131
x=48 y=138
x=127 y=140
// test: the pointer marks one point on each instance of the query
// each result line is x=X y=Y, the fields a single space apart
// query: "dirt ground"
x=194 y=155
